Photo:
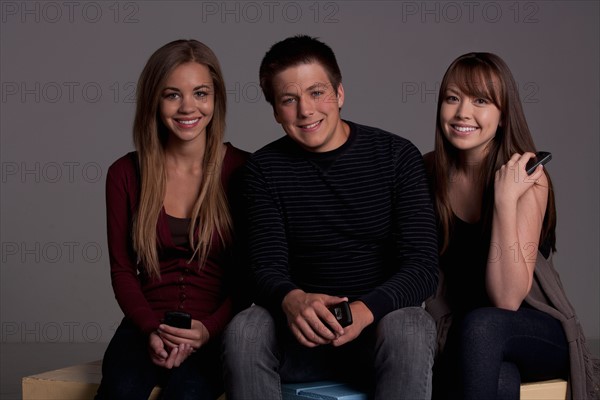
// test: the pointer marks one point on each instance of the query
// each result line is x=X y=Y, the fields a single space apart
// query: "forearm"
x=520 y=202
x=508 y=269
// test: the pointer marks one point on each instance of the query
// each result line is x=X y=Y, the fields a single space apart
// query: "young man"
x=336 y=212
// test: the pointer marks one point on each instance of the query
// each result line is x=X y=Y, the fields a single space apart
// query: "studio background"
x=68 y=74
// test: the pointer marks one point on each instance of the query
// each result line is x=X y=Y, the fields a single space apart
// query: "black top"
x=464 y=265
x=354 y=222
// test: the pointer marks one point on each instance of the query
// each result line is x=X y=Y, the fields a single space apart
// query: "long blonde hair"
x=150 y=136
x=485 y=75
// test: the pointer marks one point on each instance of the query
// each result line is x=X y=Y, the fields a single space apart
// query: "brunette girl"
x=501 y=312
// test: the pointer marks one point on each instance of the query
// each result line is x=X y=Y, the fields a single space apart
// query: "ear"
x=340 y=95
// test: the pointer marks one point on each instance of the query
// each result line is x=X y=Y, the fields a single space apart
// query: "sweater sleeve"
x=267 y=241
x=121 y=187
x=414 y=238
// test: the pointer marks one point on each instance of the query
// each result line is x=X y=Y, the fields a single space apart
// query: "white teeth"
x=311 y=125
x=464 y=128
x=190 y=122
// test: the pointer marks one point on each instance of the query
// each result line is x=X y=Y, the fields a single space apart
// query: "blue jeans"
x=129 y=374
x=491 y=351
x=391 y=360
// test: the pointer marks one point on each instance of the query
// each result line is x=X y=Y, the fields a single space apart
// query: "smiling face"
x=469 y=122
x=308 y=107
x=187 y=102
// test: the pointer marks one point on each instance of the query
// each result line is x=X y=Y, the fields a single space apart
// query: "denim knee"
x=408 y=327
x=250 y=356
x=406 y=341
x=252 y=331
x=483 y=323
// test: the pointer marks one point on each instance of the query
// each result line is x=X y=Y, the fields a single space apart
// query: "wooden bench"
x=80 y=382
x=548 y=390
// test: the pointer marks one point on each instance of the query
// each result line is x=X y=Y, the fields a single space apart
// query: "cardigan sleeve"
x=121 y=196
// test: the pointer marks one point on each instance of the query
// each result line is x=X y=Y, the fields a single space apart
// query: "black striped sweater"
x=355 y=222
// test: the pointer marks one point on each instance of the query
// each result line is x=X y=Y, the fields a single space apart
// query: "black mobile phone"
x=541 y=157
x=178 y=319
x=342 y=313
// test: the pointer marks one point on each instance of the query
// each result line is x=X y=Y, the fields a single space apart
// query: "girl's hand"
x=195 y=337
x=512 y=180
x=162 y=358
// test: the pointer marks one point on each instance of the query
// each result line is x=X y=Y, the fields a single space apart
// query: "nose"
x=305 y=107
x=463 y=110
x=187 y=104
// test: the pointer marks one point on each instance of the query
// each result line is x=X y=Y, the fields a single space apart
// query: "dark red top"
x=182 y=286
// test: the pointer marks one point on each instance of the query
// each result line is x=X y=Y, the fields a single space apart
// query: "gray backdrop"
x=68 y=74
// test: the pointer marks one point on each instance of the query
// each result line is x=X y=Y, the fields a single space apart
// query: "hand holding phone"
x=342 y=313
x=178 y=319
x=541 y=157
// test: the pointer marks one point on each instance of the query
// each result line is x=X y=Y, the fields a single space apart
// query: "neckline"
x=177 y=218
x=459 y=219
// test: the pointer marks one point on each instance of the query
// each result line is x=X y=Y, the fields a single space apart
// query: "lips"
x=463 y=129
x=187 y=123
x=311 y=127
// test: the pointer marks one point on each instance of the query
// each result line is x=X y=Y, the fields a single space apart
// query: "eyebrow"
x=317 y=85
x=314 y=86
x=203 y=86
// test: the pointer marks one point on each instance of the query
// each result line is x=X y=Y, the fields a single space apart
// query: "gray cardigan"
x=547 y=295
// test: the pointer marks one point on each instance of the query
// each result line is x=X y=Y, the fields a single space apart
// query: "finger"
x=193 y=337
x=311 y=334
x=351 y=333
x=168 y=342
x=170 y=362
x=527 y=155
x=333 y=326
x=536 y=174
x=158 y=362
x=513 y=159
x=314 y=328
x=525 y=158
x=342 y=340
x=322 y=321
x=172 y=340
x=156 y=346
x=180 y=356
x=158 y=358
x=300 y=337
x=333 y=300
x=311 y=325
x=179 y=332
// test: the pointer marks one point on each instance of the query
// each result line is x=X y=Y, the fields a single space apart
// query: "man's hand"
x=361 y=318
x=306 y=314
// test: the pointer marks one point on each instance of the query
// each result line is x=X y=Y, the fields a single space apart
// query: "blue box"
x=321 y=390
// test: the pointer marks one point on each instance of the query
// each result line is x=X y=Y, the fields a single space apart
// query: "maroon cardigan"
x=202 y=293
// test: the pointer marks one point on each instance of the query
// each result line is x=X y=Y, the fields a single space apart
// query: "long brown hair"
x=485 y=75
x=150 y=136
